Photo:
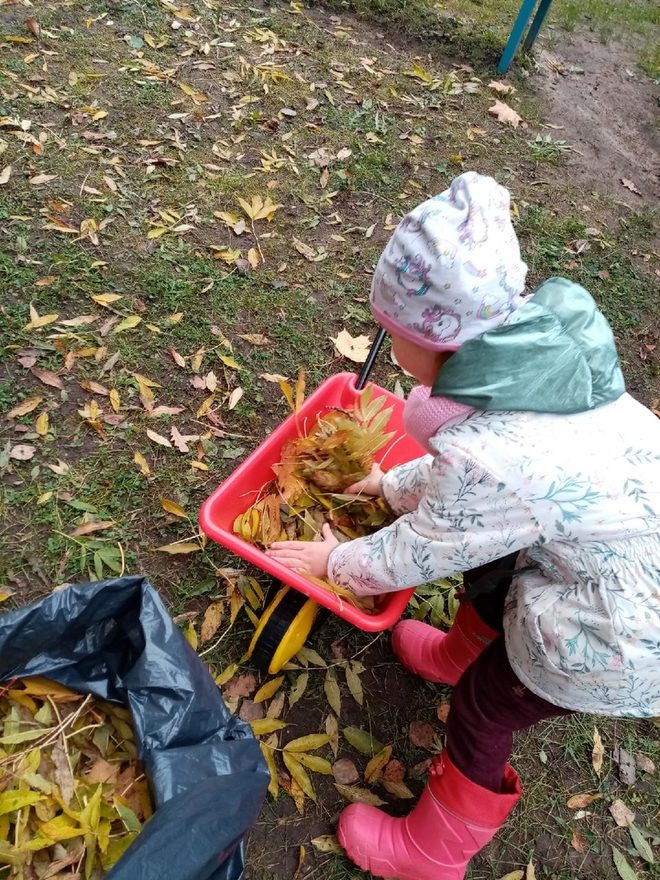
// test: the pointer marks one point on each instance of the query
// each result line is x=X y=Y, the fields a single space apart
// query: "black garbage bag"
x=115 y=639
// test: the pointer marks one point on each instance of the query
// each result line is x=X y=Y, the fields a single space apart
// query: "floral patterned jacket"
x=579 y=496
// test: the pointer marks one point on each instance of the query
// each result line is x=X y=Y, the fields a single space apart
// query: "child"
x=542 y=484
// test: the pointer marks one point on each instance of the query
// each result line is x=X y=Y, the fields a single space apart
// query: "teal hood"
x=556 y=354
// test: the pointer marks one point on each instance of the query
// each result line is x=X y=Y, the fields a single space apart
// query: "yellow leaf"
x=5 y=174
x=287 y=391
x=211 y=622
x=199 y=465
x=37 y=686
x=127 y=324
x=530 y=873
x=357 y=795
x=315 y=763
x=39 y=321
x=41 y=425
x=15 y=800
x=179 y=549
x=206 y=406
x=156 y=231
x=307 y=743
x=43 y=499
x=300 y=389
x=398 y=789
x=141 y=462
x=158 y=438
x=115 y=400
x=253 y=257
x=299 y=773
x=375 y=766
x=299 y=688
x=273 y=785
x=355 y=348
x=105 y=299
x=332 y=693
x=198 y=97
x=191 y=635
x=354 y=684
x=173 y=508
x=61 y=827
x=580 y=801
x=598 y=752
x=229 y=362
x=227 y=254
x=262 y=726
x=513 y=875
x=24 y=407
x=327 y=843
x=227 y=674
x=268 y=689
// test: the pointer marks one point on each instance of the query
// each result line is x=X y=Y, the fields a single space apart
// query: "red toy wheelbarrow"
x=290 y=616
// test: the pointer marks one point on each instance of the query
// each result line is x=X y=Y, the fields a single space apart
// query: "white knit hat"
x=452 y=268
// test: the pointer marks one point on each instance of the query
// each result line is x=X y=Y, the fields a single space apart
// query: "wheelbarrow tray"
x=240 y=490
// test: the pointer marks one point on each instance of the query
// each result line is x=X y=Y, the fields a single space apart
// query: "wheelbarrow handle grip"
x=368 y=365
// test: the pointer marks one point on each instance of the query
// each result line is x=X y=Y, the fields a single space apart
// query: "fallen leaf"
x=141 y=462
x=268 y=689
x=191 y=635
x=622 y=865
x=183 y=547
x=514 y=875
x=299 y=773
x=250 y=711
x=332 y=693
x=630 y=185
x=24 y=407
x=579 y=842
x=22 y=452
x=178 y=440
x=354 y=684
x=421 y=734
x=394 y=771
x=243 y=685
x=328 y=843
x=505 y=114
x=173 y=508
x=530 y=871
x=345 y=771
x=357 y=795
x=158 y=438
x=235 y=397
x=443 y=711
x=264 y=726
x=501 y=88
x=641 y=844
x=88 y=528
x=356 y=348
x=5 y=174
x=363 y=741
x=211 y=622
x=398 y=789
x=63 y=774
x=598 y=753
x=626 y=764
x=37 y=321
x=48 y=377
x=254 y=338
x=645 y=764
x=622 y=815
x=580 y=801
x=128 y=323
x=229 y=362
x=374 y=768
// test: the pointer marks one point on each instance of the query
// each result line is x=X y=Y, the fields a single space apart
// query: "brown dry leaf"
x=345 y=771
x=211 y=622
x=24 y=407
x=374 y=768
x=421 y=734
x=243 y=685
x=255 y=338
x=598 y=753
x=178 y=440
x=5 y=174
x=644 y=763
x=630 y=185
x=62 y=773
x=394 y=771
x=176 y=357
x=250 y=711
x=579 y=842
x=443 y=711
x=514 y=875
x=179 y=549
x=88 y=528
x=398 y=789
x=502 y=88
x=356 y=348
x=48 y=377
x=102 y=771
x=332 y=729
x=505 y=114
x=580 y=801
x=305 y=250
x=276 y=706
x=622 y=815
x=530 y=872
x=94 y=388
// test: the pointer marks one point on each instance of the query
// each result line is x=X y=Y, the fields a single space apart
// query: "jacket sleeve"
x=404 y=485
x=465 y=517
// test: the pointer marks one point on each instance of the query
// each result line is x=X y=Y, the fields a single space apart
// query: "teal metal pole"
x=525 y=13
x=541 y=13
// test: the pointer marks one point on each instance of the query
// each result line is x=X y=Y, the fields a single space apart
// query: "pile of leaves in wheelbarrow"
x=313 y=475
x=72 y=794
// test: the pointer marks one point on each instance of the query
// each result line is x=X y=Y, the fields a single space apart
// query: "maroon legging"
x=490 y=703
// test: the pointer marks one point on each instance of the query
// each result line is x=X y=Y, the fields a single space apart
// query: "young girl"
x=542 y=484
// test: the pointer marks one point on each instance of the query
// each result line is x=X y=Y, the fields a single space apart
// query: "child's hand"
x=305 y=556
x=370 y=485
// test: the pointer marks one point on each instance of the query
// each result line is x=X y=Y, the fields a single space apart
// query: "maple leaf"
x=505 y=114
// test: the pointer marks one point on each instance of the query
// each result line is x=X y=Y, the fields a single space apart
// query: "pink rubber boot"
x=442 y=657
x=452 y=821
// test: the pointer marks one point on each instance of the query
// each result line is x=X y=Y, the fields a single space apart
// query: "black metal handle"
x=368 y=365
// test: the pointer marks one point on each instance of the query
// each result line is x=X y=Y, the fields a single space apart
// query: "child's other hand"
x=306 y=556
x=370 y=485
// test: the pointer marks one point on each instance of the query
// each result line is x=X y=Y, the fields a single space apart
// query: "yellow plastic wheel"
x=283 y=629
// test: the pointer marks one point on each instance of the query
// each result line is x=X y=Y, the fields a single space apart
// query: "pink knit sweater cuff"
x=425 y=415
